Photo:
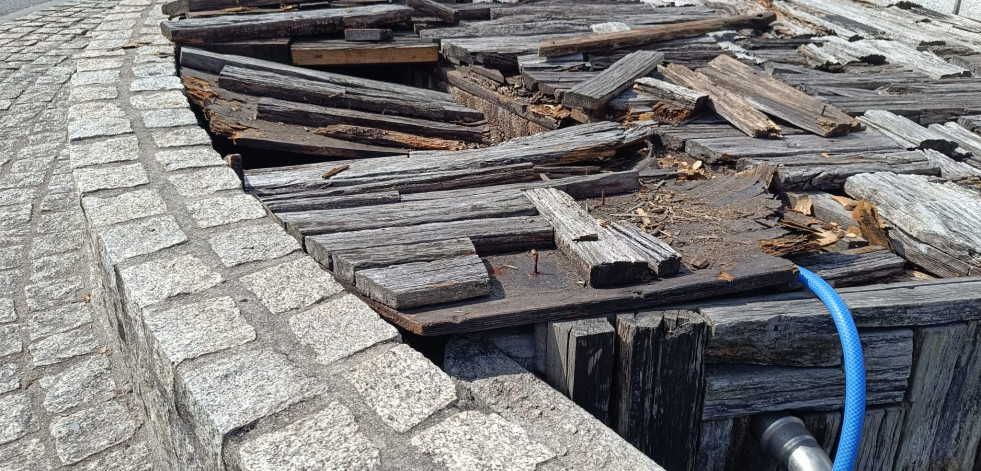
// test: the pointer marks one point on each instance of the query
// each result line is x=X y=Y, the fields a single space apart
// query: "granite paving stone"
x=100 y=77
x=153 y=70
x=8 y=313
x=94 y=92
x=474 y=441
x=90 y=431
x=300 y=445
x=196 y=183
x=9 y=377
x=56 y=266
x=156 y=83
x=130 y=458
x=50 y=293
x=91 y=179
x=291 y=285
x=169 y=118
x=181 y=137
x=110 y=210
x=196 y=329
x=114 y=149
x=221 y=210
x=10 y=340
x=87 y=65
x=252 y=243
x=57 y=320
x=129 y=240
x=47 y=244
x=157 y=280
x=24 y=455
x=159 y=100
x=92 y=109
x=340 y=328
x=98 y=127
x=16 y=417
x=188 y=158
x=88 y=381
x=63 y=346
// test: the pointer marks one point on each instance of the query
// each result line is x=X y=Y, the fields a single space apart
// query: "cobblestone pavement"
x=64 y=402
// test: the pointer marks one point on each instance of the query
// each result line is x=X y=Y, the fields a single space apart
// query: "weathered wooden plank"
x=973 y=123
x=310 y=202
x=741 y=390
x=286 y=24
x=329 y=221
x=401 y=50
x=713 y=445
x=596 y=92
x=935 y=358
x=829 y=171
x=734 y=109
x=601 y=258
x=443 y=12
x=778 y=99
x=386 y=138
x=658 y=391
x=734 y=148
x=426 y=283
x=367 y=34
x=666 y=91
x=854 y=266
x=501 y=108
x=313 y=115
x=940 y=216
x=820 y=59
x=956 y=442
x=272 y=49
x=579 y=362
x=588 y=186
x=663 y=260
x=957 y=133
x=910 y=134
x=491 y=235
x=642 y=36
x=824 y=207
x=880 y=438
x=345 y=263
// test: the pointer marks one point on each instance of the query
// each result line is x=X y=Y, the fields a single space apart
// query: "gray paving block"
x=94 y=110
x=47 y=244
x=263 y=241
x=16 y=417
x=57 y=267
x=156 y=83
x=221 y=210
x=88 y=65
x=300 y=445
x=98 y=127
x=103 y=177
x=196 y=183
x=135 y=457
x=292 y=285
x=88 y=381
x=103 y=151
x=51 y=293
x=132 y=239
x=57 y=320
x=340 y=328
x=159 y=100
x=10 y=340
x=181 y=137
x=98 y=77
x=7 y=311
x=157 y=280
x=24 y=455
x=93 y=92
x=196 y=329
x=190 y=157
x=90 y=431
x=104 y=211
x=169 y=118
x=474 y=441
x=154 y=70
x=60 y=347
x=9 y=377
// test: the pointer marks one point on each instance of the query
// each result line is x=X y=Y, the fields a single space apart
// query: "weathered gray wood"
x=345 y=263
x=820 y=59
x=367 y=34
x=412 y=213
x=972 y=63
x=601 y=258
x=776 y=98
x=796 y=329
x=310 y=202
x=877 y=51
x=734 y=109
x=443 y=12
x=271 y=49
x=657 y=398
x=312 y=115
x=957 y=133
x=935 y=358
x=686 y=97
x=829 y=171
x=973 y=123
x=952 y=169
x=909 y=134
x=491 y=235
x=594 y=93
x=580 y=362
x=661 y=258
x=401 y=50
x=425 y=283
x=956 y=442
x=824 y=207
x=854 y=266
x=729 y=148
x=386 y=138
x=880 y=438
x=587 y=186
x=713 y=445
x=287 y=24
x=740 y=390
x=940 y=216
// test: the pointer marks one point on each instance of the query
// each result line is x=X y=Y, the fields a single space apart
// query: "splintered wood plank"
x=672 y=95
x=285 y=24
x=443 y=12
x=521 y=310
x=402 y=50
x=909 y=134
x=733 y=108
x=956 y=442
x=715 y=149
x=596 y=92
x=659 y=389
x=829 y=172
x=854 y=266
x=272 y=109
x=933 y=225
x=579 y=362
x=713 y=445
x=741 y=390
x=602 y=259
x=489 y=236
x=425 y=283
x=663 y=260
x=272 y=49
x=367 y=34
x=642 y=36
x=310 y=202
x=778 y=99
x=345 y=263
x=881 y=436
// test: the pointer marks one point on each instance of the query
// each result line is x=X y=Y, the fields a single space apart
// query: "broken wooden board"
x=593 y=94
x=954 y=445
x=663 y=260
x=665 y=91
x=602 y=258
x=828 y=172
x=439 y=10
x=734 y=109
x=642 y=36
x=734 y=148
x=401 y=50
x=778 y=99
x=933 y=225
x=579 y=362
x=425 y=283
x=909 y=134
x=315 y=201
x=272 y=49
x=346 y=263
x=854 y=266
x=277 y=25
x=368 y=34
x=586 y=186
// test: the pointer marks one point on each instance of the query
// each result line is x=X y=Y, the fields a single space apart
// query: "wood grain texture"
x=713 y=445
x=854 y=266
x=602 y=259
x=663 y=260
x=439 y=10
x=401 y=50
x=596 y=92
x=957 y=439
x=346 y=263
x=829 y=172
x=728 y=148
x=579 y=362
x=367 y=34
x=667 y=91
x=907 y=133
x=425 y=283
x=312 y=202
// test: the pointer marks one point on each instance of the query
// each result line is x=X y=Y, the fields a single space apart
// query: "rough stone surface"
x=189 y=136
x=24 y=455
x=155 y=281
x=301 y=445
x=60 y=347
x=189 y=158
x=10 y=340
x=159 y=100
x=7 y=311
x=474 y=441
x=169 y=118
x=341 y=327
x=115 y=149
x=292 y=285
x=197 y=329
x=94 y=92
x=90 y=431
x=9 y=378
x=264 y=241
x=57 y=320
x=213 y=212
x=115 y=209
x=16 y=417
x=91 y=179
x=132 y=458
x=403 y=387
x=196 y=183
x=88 y=381
x=155 y=84
x=140 y=238
x=98 y=127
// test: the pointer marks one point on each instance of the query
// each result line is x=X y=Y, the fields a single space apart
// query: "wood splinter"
x=335 y=171
x=534 y=268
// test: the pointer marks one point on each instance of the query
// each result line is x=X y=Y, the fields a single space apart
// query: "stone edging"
x=244 y=352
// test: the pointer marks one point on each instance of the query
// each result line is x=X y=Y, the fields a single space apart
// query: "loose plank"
x=425 y=283
x=663 y=260
x=956 y=442
x=345 y=263
x=642 y=36
x=443 y=12
x=854 y=266
x=596 y=92
x=601 y=258
x=912 y=135
x=367 y=34
x=401 y=50
x=579 y=362
x=715 y=149
x=829 y=172
x=666 y=91
x=301 y=202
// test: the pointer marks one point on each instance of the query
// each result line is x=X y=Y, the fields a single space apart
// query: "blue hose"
x=854 y=416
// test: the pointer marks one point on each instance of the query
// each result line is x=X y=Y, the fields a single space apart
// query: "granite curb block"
x=244 y=352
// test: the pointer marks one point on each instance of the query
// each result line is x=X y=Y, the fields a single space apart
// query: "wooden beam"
x=643 y=36
x=957 y=439
x=829 y=172
x=303 y=202
x=346 y=263
x=579 y=362
x=595 y=93
x=714 y=149
x=909 y=134
x=439 y=10
x=425 y=283
x=666 y=91
x=401 y=50
x=853 y=267
x=663 y=260
x=601 y=258
x=368 y=34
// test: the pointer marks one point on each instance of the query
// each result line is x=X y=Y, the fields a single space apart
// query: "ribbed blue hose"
x=851 y=346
